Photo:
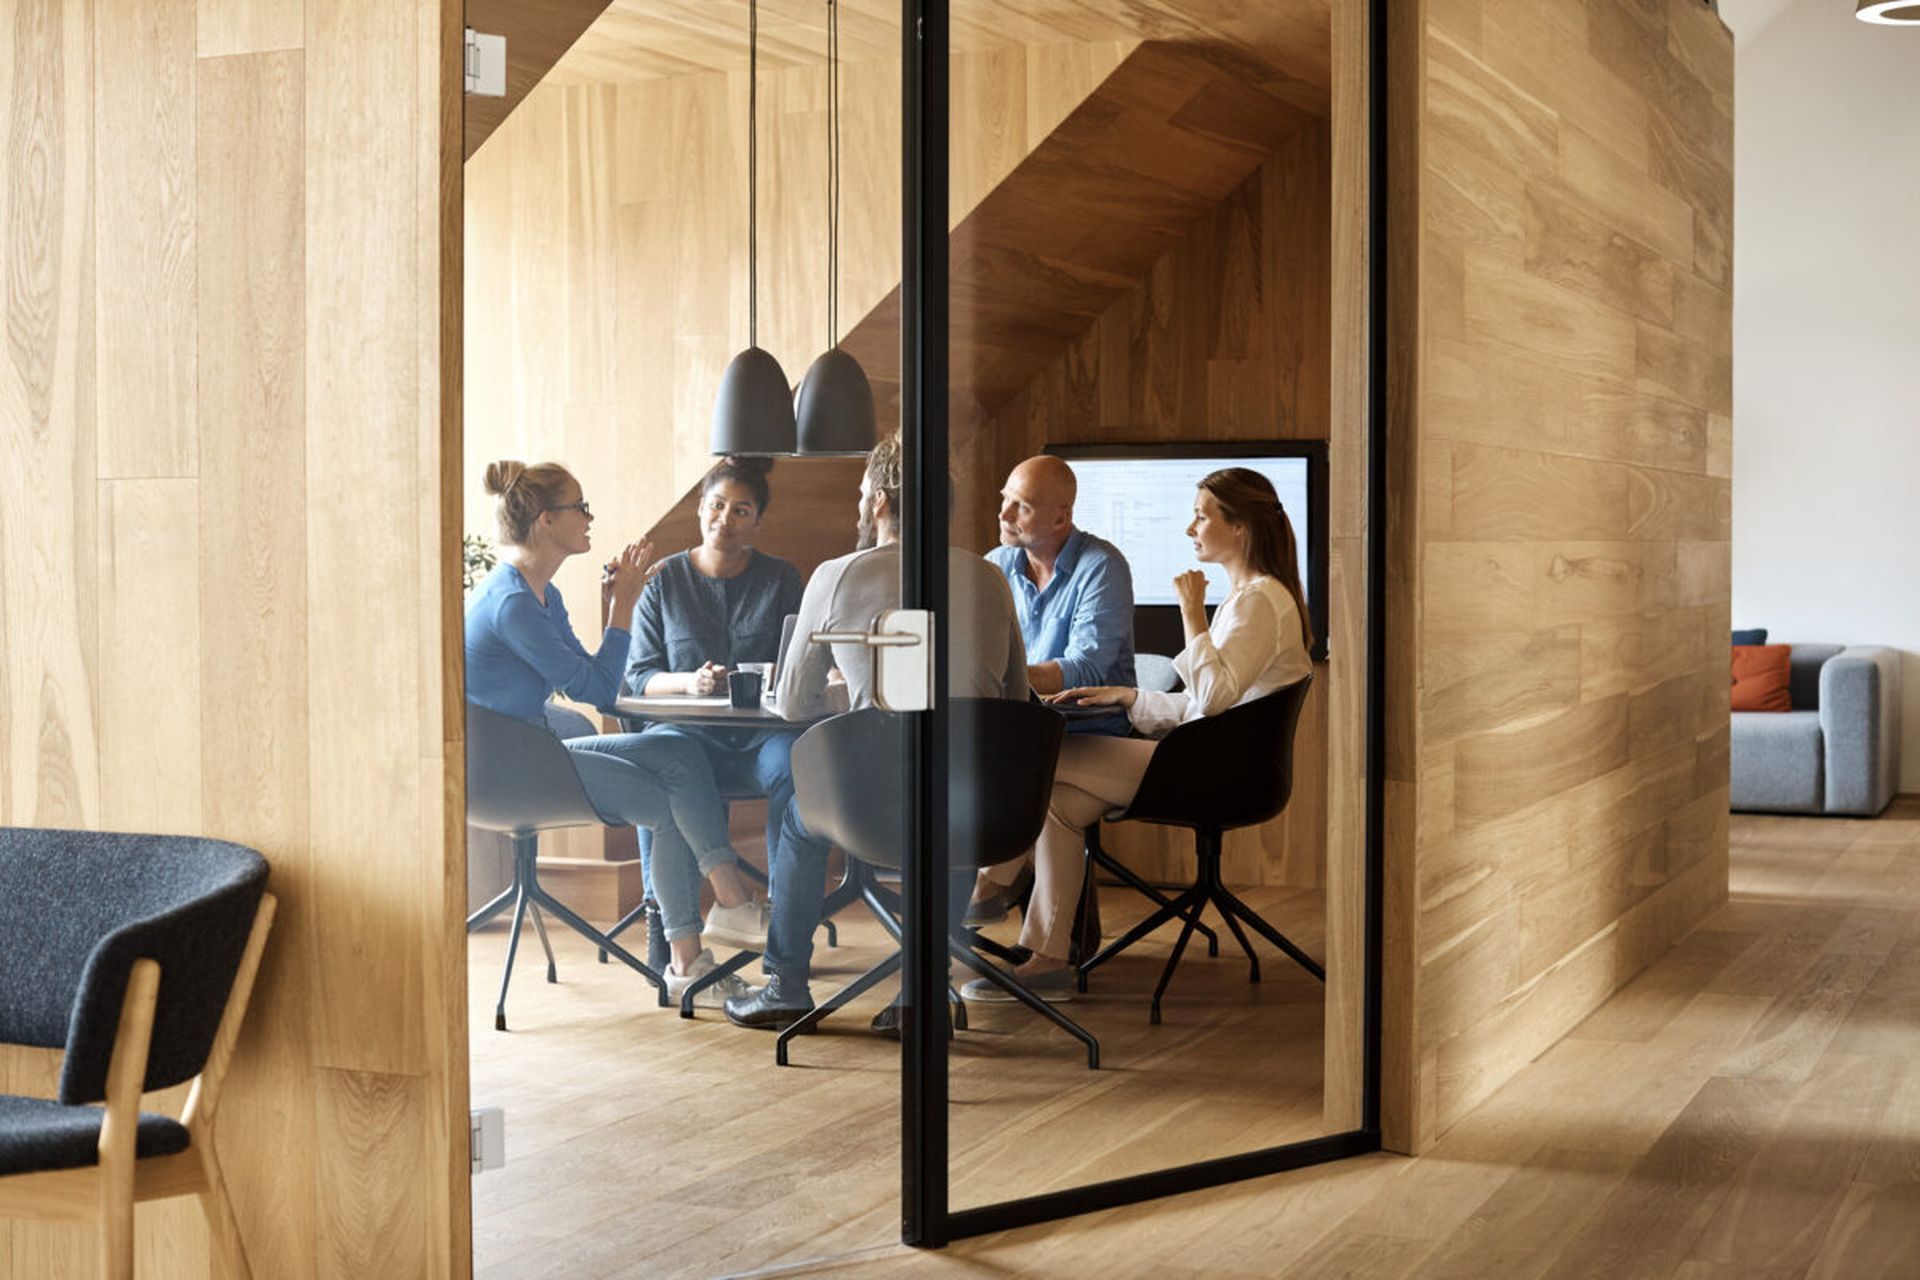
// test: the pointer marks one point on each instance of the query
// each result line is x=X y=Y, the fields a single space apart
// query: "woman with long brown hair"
x=1258 y=641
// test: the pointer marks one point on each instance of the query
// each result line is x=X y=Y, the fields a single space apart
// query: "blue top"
x=1084 y=619
x=520 y=652
x=684 y=618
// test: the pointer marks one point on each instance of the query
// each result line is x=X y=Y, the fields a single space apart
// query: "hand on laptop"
x=1099 y=695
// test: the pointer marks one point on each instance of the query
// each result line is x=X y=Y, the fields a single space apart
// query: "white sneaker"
x=1054 y=986
x=712 y=997
x=743 y=927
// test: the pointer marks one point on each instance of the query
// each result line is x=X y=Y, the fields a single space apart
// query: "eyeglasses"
x=581 y=507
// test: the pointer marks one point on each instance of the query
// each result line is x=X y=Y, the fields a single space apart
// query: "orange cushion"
x=1760 y=677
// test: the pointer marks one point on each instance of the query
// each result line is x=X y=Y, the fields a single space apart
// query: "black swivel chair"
x=520 y=782
x=1153 y=671
x=849 y=777
x=1214 y=774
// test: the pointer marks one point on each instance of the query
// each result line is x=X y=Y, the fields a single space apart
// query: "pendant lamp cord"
x=753 y=174
x=833 y=174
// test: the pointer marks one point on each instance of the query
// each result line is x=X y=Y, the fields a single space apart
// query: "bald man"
x=1073 y=592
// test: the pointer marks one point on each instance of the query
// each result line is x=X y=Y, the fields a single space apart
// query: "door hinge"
x=486 y=1139
x=486 y=64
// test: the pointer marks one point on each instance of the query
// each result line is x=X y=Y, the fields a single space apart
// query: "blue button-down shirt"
x=1084 y=619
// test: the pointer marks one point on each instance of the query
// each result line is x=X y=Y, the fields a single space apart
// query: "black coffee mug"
x=743 y=689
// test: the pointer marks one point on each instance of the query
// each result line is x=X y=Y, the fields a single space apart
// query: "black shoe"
x=887 y=1021
x=991 y=909
x=768 y=1007
x=659 y=954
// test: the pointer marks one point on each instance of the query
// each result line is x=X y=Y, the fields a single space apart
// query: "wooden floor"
x=641 y=1144
x=1749 y=1108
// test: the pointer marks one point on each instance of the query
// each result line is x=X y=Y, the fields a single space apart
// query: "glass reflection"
x=1140 y=291
x=652 y=1129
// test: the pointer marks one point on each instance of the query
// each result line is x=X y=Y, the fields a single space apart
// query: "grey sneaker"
x=743 y=927
x=1055 y=987
x=713 y=997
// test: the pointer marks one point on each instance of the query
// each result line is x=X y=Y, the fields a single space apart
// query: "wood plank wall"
x=1226 y=339
x=1566 y=528
x=606 y=263
x=224 y=411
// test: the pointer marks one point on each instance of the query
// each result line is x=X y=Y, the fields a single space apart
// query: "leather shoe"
x=769 y=1007
x=887 y=1022
x=991 y=909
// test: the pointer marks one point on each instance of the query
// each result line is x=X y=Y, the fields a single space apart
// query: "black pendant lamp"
x=753 y=410
x=834 y=407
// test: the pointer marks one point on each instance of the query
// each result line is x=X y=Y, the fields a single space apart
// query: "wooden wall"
x=1562 y=729
x=225 y=400
x=1226 y=339
x=606 y=261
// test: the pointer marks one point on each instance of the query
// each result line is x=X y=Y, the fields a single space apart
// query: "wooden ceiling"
x=1286 y=42
x=1082 y=219
x=641 y=39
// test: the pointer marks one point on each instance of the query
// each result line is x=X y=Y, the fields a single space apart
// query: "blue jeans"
x=798 y=879
x=663 y=786
x=766 y=758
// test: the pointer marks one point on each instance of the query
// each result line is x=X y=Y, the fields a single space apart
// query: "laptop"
x=769 y=696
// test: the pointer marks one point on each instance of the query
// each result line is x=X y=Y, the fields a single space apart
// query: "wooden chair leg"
x=120 y=1126
x=116 y=1228
x=223 y=1228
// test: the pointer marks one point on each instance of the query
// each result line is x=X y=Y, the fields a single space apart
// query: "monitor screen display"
x=1143 y=506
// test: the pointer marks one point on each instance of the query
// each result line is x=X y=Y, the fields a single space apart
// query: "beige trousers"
x=1096 y=773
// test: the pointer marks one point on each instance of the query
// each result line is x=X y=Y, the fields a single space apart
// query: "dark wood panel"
x=1140 y=169
x=537 y=32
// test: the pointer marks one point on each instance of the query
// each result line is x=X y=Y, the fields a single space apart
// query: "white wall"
x=1826 y=345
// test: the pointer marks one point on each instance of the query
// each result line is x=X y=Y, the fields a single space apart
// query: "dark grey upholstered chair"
x=1155 y=673
x=520 y=782
x=849 y=775
x=1212 y=775
x=136 y=955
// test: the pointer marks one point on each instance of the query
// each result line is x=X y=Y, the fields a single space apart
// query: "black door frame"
x=927 y=1219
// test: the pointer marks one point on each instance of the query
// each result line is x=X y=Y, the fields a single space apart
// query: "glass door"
x=1139 y=367
x=691 y=194
x=1085 y=257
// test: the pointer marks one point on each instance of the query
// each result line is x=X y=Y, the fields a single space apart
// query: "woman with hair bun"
x=1259 y=641
x=521 y=649
x=707 y=610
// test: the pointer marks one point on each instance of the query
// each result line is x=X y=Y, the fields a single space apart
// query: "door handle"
x=872 y=639
x=902 y=681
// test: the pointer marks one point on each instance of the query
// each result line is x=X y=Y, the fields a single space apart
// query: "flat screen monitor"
x=1140 y=498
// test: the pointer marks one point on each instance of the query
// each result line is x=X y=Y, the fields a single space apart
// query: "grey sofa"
x=1838 y=750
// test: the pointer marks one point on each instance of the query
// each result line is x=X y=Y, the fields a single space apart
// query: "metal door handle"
x=873 y=639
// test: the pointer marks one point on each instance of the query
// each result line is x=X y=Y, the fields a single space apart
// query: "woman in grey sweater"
x=707 y=610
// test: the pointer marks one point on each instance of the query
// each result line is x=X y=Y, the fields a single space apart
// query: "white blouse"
x=1252 y=648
